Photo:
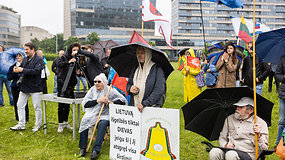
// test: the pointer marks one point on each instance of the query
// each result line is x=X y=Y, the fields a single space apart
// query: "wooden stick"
x=97 y=121
x=142 y=27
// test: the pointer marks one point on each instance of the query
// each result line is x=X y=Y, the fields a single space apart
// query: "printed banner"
x=145 y=135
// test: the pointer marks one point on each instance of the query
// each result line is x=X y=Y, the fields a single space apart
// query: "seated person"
x=92 y=103
x=236 y=133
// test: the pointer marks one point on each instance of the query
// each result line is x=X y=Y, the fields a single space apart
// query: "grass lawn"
x=26 y=145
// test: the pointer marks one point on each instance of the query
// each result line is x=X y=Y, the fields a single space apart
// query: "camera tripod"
x=69 y=73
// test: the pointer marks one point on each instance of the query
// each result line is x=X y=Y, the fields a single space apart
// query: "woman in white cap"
x=92 y=103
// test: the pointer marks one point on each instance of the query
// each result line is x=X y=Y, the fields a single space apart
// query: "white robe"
x=90 y=117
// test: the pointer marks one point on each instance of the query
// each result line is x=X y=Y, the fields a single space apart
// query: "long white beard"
x=238 y=116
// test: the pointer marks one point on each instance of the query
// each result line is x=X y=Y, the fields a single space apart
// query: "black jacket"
x=32 y=74
x=106 y=70
x=93 y=65
x=62 y=70
x=262 y=70
x=54 y=65
x=280 y=77
x=14 y=77
x=155 y=88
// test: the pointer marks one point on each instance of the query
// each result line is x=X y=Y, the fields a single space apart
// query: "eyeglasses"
x=97 y=81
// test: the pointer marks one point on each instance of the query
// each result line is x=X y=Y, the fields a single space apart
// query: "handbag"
x=200 y=79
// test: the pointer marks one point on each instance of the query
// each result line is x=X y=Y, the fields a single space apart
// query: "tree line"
x=48 y=45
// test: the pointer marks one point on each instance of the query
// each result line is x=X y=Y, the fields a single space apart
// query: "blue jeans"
x=7 y=84
x=258 y=88
x=83 y=80
x=101 y=130
x=281 y=124
x=55 y=84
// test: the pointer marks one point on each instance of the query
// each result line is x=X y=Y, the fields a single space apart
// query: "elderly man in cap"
x=238 y=135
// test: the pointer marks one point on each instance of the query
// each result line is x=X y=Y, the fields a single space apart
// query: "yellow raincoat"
x=191 y=89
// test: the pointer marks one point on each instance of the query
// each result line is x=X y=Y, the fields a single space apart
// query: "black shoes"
x=94 y=155
x=82 y=152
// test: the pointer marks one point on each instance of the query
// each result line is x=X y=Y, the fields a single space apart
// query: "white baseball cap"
x=245 y=101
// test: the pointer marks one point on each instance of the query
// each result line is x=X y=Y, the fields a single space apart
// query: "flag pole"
x=203 y=29
x=238 y=41
x=254 y=79
x=142 y=28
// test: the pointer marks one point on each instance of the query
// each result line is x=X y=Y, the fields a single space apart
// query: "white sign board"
x=152 y=134
x=125 y=132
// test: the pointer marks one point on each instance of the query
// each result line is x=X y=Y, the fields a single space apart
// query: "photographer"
x=66 y=62
x=69 y=58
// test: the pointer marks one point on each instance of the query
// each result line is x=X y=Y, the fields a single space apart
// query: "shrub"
x=50 y=56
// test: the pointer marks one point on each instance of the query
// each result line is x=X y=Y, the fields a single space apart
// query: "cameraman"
x=67 y=60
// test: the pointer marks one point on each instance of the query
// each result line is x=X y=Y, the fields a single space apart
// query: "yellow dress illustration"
x=158 y=146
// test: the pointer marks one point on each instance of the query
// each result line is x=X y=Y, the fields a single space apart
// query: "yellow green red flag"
x=243 y=31
x=180 y=64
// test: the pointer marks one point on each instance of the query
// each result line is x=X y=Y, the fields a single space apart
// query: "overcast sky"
x=48 y=14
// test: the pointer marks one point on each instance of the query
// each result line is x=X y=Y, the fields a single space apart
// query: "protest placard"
x=125 y=132
x=152 y=134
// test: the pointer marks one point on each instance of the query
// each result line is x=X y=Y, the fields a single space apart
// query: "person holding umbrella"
x=236 y=138
x=15 y=88
x=147 y=83
x=227 y=66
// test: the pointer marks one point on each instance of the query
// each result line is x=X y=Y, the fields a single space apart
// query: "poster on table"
x=152 y=134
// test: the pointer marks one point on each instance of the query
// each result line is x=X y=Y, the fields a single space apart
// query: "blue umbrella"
x=8 y=58
x=270 y=46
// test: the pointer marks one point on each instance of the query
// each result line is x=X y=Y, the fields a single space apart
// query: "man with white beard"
x=238 y=135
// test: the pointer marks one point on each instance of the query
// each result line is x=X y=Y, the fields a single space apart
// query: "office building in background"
x=10 y=23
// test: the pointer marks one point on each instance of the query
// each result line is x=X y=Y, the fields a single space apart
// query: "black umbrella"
x=270 y=46
x=101 y=47
x=123 y=59
x=206 y=113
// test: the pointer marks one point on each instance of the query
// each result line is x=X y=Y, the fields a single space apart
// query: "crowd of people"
x=146 y=87
x=231 y=72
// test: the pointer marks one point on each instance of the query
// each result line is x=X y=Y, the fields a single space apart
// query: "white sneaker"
x=66 y=125
x=36 y=128
x=18 y=127
x=60 y=127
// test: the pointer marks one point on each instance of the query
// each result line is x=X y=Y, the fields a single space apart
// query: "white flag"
x=259 y=27
x=150 y=13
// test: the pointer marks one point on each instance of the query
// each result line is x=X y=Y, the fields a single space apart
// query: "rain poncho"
x=90 y=117
x=191 y=89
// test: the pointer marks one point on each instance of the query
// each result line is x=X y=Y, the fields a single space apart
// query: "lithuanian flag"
x=180 y=64
x=243 y=31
